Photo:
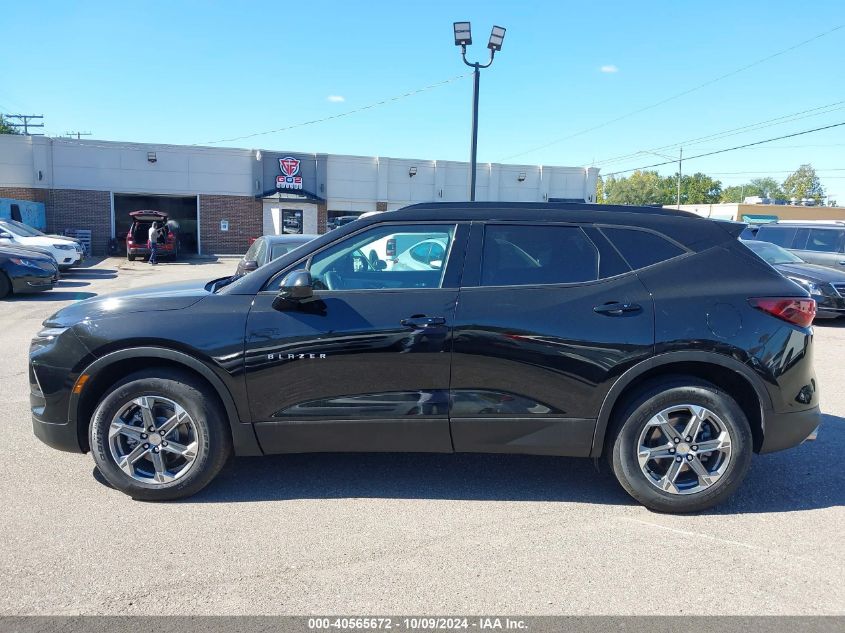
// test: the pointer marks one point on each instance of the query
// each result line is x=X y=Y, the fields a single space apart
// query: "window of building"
x=527 y=255
x=641 y=248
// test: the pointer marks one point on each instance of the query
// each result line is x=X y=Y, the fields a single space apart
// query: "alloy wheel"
x=153 y=439
x=684 y=449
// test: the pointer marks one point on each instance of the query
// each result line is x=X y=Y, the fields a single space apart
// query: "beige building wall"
x=735 y=211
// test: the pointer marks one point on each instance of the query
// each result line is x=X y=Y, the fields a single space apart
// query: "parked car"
x=825 y=285
x=24 y=270
x=814 y=242
x=425 y=255
x=267 y=248
x=138 y=236
x=67 y=253
x=32 y=231
x=581 y=330
x=342 y=220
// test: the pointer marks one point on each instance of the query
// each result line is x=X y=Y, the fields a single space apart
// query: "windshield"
x=21 y=229
x=773 y=253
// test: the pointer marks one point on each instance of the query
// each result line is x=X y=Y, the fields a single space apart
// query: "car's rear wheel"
x=681 y=446
x=157 y=435
x=5 y=285
x=129 y=257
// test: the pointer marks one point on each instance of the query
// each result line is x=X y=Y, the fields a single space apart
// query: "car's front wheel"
x=157 y=435
x=681 y=446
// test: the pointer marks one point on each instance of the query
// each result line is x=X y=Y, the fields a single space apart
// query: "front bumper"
x=829 y=306
x=785 y=430
x=35 y=281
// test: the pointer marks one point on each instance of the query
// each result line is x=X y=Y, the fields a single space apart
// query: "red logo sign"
x=289 y=179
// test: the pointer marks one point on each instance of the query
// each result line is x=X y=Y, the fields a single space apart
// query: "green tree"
x=766 y=187
x=599 y=197
x=6 y=128
x=641 y=187
x=803 y=183
x=695 y=189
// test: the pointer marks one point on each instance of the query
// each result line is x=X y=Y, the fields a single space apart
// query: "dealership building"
x=222 y=197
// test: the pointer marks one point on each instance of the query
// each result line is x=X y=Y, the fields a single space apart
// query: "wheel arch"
x=739 y=382
x=108 y=369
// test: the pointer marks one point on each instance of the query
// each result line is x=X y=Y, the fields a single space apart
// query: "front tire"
x=681 y=446
x=130 y=258
x=157 y=435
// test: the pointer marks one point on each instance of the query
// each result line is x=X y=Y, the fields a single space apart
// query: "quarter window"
x=531 y=255
x=823 y=240
x=386 y=257
x=780 y=235
x=641 y=248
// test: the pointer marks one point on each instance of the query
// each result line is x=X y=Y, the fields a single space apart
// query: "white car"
x=426 y=255
x=67 y=253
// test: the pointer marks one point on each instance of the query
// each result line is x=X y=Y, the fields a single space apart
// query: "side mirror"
x=5 y=235
x=250 y=265
x=296 y=286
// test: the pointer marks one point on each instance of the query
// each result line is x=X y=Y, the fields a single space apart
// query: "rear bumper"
x=143 y=251
x=785 y=430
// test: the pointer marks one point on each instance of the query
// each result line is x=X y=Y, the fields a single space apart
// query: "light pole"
x=463 y=38
x=680 y=165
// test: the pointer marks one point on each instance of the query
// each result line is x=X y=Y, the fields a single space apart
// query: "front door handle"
x=617 y=309
x=422 y=321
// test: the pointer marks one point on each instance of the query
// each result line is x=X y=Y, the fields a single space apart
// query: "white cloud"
x=336 y=98
x=609 y=68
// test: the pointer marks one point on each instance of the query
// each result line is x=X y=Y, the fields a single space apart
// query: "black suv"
x=651 y=337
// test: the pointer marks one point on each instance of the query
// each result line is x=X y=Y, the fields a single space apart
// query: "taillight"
x=391 y=247
x=800 y=312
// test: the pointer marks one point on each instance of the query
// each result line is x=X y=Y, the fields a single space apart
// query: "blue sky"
x=194 y=72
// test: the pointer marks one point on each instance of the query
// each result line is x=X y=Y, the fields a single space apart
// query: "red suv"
x=138 y=236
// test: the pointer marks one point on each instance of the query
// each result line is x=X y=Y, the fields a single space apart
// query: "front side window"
x=385 y=257
x=780 y=235
x=527 y=255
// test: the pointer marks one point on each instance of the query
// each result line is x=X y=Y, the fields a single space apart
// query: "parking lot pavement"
x=399 y=534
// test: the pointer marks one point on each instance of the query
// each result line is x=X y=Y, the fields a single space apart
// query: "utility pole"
x=680 y=166
x=24 y=122
x=77 y=134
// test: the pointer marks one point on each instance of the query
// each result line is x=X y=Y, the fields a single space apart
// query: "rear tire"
x=5 y=286
x=669 y=462
x=131 y=258
x=189 y=443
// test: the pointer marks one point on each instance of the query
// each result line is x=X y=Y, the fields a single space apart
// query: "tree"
x=640 y=188
x=599 y=198
x=6 y=128
x=804 y=183
x=696 y=189
x=763 y=187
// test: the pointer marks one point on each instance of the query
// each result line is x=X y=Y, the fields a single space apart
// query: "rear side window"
x=824 y=240
x=531 y=255
x=642 y=248
x=780 y=235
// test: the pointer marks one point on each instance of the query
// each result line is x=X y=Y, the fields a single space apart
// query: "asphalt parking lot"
x=400 y=534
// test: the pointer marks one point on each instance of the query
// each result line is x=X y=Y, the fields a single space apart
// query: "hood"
x=16 y=250
x=812 y=272
x=149 y=299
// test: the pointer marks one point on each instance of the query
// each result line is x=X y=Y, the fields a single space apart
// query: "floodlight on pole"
x=463 y=38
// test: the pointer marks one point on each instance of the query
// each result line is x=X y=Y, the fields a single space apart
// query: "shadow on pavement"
x=829 y=323
x=54 y=295
x=807 y=477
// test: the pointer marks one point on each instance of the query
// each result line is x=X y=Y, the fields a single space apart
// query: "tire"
x=5 y=286
x=131 y=258
x=682 y=476
x=165 y=474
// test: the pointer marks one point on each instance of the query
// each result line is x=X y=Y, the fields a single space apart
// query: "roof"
x=531 y=210
x=289 y=237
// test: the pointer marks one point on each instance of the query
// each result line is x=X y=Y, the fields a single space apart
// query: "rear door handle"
x=422 y=321
x=617 y=309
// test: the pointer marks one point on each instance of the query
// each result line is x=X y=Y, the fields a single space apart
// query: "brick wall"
x=322 y=218
x=245 y=216
x=24 y=193
x=81 y=209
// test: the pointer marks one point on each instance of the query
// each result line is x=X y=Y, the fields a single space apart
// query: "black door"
x=365 y=365
x=548 y=317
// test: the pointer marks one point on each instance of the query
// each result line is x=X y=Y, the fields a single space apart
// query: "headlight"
x=25 y=262
x=809 y=286
x=64 y=247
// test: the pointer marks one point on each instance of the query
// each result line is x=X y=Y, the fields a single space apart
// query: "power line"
x=342 y=114
x=775 y=171
x=678 y=95
x=751 y=127
x=728 y=149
